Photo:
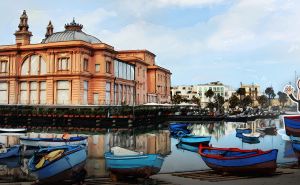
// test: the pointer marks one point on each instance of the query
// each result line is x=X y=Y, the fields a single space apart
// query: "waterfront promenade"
x=286 y=175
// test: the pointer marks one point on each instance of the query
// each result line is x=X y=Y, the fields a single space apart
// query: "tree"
x=282 y=98
x=241 y=92
x=270 y=92
x=246 y=101
x=219 y=102
x=176 y=99
x=209 y=94
x=233 y=101
x=262 y=100
x=196 y=100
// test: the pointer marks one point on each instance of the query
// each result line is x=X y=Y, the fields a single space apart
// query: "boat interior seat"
x=44 y=160
x=118 y=151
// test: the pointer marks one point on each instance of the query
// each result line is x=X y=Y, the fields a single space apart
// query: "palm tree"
x=270 y=92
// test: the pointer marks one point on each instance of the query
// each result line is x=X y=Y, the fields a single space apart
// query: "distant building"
x=252 y=90
x=188 y=91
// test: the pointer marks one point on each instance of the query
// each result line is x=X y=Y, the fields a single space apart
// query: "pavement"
x=283 y=176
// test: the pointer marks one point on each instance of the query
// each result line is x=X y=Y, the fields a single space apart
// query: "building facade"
x=252 y=90
x=188 y=91
x=73 y=68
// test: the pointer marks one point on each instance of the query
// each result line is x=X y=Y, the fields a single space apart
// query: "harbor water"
x=155 y=140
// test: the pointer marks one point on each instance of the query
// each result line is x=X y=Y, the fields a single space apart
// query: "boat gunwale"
x=213 y=156
x=110 y=155
x=82 y=138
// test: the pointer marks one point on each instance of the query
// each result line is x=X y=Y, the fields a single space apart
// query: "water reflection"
x=156 y=141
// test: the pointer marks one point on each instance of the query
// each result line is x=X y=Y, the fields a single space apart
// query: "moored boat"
x=292 y=125
x=48 y=142
x=122 y=162
x=234 y=160
x=13 y=151
x=13 y=130
x=193 y=139
x=54 y=164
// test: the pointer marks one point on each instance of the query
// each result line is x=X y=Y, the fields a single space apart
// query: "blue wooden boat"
x=292 y=125
x=243 y=130
x=192 y=139
x=175 y=126
x=239 y=161
x=188 y=147
x=132 y=164
x=54 y=164
x=52 y=142
x=13 y=151
x=12 y=162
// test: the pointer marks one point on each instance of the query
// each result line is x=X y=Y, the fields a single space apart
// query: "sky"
x=200 y=41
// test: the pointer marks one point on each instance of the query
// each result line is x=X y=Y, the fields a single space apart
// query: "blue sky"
x=233 y=41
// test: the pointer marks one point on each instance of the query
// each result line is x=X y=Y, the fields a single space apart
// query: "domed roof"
x=73 y=32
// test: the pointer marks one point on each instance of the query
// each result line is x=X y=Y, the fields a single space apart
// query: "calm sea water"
x=156 y=141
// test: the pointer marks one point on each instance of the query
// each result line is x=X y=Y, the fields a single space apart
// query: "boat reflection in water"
x=188 y=147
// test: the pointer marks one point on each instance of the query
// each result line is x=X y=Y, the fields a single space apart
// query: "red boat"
x=292 y=125
x=234 y=160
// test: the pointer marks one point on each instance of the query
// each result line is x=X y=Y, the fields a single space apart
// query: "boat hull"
x=69 y=162
x=240 y=161
x=11 y=152
x=292 y=125
x=13 y=130
x=49 y=142
x=261 y=168
x=295 y=145
x=135 y=166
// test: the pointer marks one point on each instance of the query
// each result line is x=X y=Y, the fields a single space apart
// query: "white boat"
x=47 y=142
x=13 y=130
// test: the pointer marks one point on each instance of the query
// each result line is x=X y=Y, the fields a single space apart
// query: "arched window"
x=33 y=65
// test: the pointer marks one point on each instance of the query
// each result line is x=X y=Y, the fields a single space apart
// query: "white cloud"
x=187 y=2
x=92 y=20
